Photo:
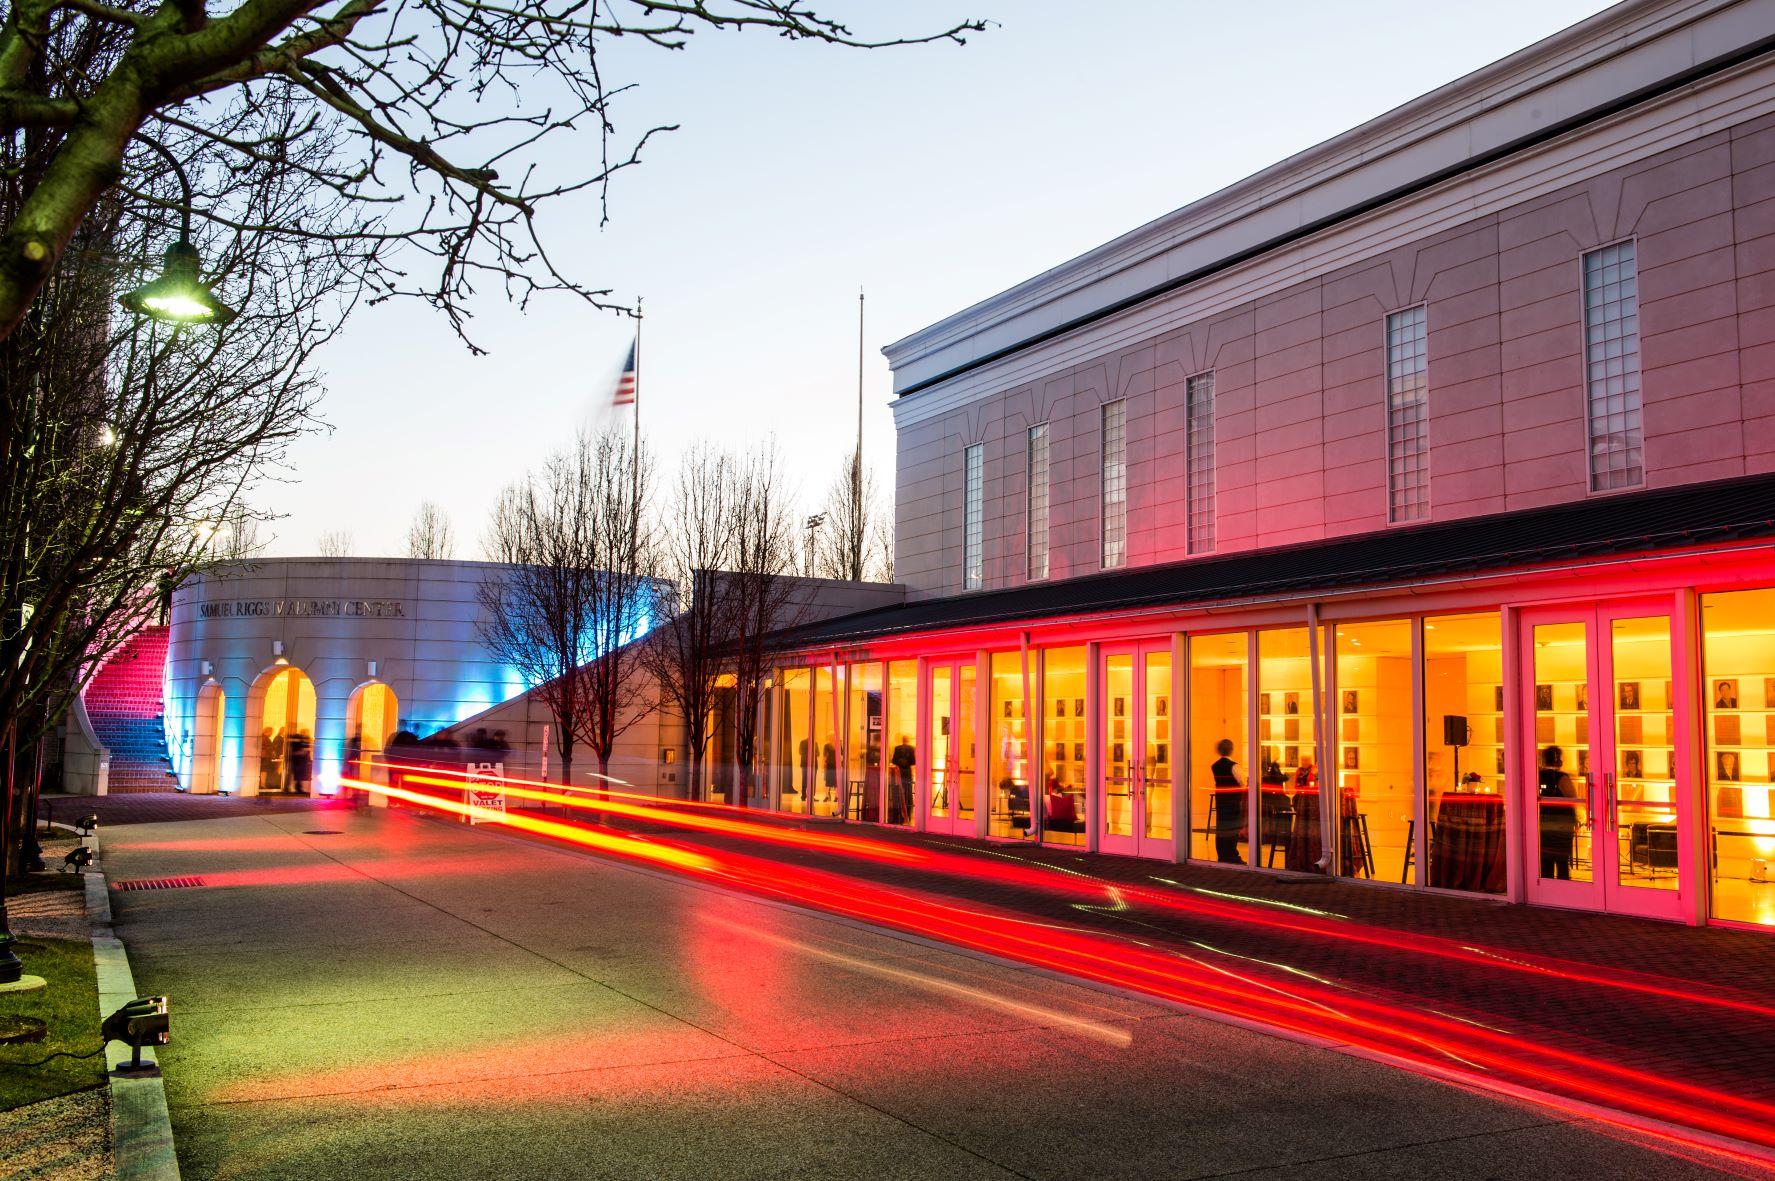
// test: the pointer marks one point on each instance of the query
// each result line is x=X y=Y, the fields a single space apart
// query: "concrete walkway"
x=401 y=998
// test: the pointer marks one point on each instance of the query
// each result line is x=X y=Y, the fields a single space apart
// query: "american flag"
x=625 y=385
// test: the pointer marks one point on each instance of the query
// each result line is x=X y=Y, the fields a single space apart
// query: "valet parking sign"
x=486 y=789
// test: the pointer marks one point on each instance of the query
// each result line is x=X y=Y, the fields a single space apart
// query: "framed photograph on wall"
x=1291 y=729
x=1352 y=758
x=1291 y=703
x=1543 y=696
x=1500 y=760
x=1078 y=752
x=1352 y=729
x=1769 y=692
x=1060 y=752
x=1352 y=698
x=1581 y=698
x=1291 y=756
x=1161 y=753
x=1583 y=762
x=1726 y=766
x=1633 y=764
x=1060 y=707
x=1497 y=698
x=1263 y=703
x=1543 y=729
x=1726 y=730
x=1629 y=694
x=1725 y=694
x=1118 y=753
x=1162 y=706
x=1121 y=707
x=1078 y=707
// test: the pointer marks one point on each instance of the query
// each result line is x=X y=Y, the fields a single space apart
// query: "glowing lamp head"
x=179 y=295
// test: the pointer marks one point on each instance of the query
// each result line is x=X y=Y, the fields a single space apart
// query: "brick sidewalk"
x=1719 y=1048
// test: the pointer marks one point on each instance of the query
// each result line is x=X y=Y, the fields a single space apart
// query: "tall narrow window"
x=1038 y=501
x=1408 y=417
x=974 y=524
x=1199 y=400
x=1115 y=484
x=1611 y=366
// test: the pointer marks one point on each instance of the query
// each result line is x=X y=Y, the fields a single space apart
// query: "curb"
x=141 y=1130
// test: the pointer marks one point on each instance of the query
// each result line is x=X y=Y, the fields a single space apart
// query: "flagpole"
x=635 y=474
x=857 y=524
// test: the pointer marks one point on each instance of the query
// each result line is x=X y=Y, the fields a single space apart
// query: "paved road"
x=406 y=999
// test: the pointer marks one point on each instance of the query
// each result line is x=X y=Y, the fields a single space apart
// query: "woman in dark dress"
x=1559 y=820
x=301 y=761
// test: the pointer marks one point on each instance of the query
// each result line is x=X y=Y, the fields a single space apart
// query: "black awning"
x=1667 y=518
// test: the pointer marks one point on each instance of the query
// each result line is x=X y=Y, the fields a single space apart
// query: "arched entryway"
x=206 y=739
x=371 y=718
x=280 y=733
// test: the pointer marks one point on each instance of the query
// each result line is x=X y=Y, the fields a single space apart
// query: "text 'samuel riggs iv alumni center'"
x=1320 y=524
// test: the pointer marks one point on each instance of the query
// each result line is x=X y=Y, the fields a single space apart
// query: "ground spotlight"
x=86 y=824
x=77 y=859
x=142 y=1022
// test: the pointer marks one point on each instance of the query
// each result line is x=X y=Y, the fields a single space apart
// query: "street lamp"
x=179 y=295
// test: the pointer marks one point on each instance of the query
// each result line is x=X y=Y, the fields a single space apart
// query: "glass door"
x=949 y=780
x=1608 y=773
x=1136 y=749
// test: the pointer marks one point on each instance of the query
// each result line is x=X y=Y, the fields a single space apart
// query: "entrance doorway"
x=1608 y=785
x=206 y=739
x=1136 y=736
x=371 y=716
x=949 y=776
x=284 y=697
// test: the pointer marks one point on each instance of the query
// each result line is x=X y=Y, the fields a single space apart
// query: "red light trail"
x=1439 y=1044
x=742 y=823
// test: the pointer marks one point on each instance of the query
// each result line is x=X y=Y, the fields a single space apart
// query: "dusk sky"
x=931 y=176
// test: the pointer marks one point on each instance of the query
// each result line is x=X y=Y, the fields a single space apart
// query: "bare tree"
x=684 y=654
x=239 y=538
x=431 y=535
x=334 y=543
x=846 y=545
x=763 y=589
x=442 y=146
x=577 y=595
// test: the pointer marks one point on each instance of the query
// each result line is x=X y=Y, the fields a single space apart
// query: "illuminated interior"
x=862 y=745
x=1218 y=702
x=902 y=723
x=1288 y=770
x=791 y=744
x=1008 y=755
x=1373 y=746
x=286 y=731
x=1562 y=744
x=1063 y=742
x=206 y=756
x=825 y=724
x=1738 y=656
x=371 y=718
x=1644 y=756
x=1464 y=680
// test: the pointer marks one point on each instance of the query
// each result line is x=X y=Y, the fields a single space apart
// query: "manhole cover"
x=16 y=1031
x=322 y=832
x=158 y=884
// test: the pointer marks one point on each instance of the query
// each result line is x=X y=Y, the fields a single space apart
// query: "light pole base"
x=24 y=984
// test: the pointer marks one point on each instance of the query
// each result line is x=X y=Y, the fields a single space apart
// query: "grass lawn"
x=70 y=1007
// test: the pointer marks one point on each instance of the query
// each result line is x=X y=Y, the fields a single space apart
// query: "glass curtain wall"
x=1373 y=743
x=1288 y=770
x=1063 y=737
x=824 y=746
x=862 y=745
x=1464 y=753
x=1219 y=774
x=793 y=749
x=902 y=723
x=1010 y=768
x=1738 y=656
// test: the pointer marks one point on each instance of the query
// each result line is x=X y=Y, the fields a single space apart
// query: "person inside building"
x=1559 y=820
x=301 y=749
x=1229 y=804
x=903 y=760
x=829 y=769
x=271 y=760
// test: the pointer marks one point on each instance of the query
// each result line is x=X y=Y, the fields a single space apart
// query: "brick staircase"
x=125 y=704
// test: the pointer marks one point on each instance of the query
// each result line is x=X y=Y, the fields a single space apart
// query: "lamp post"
x=178 y=295
x=813 y=528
